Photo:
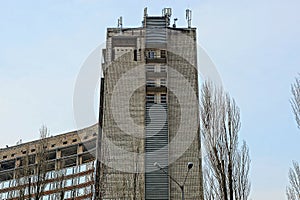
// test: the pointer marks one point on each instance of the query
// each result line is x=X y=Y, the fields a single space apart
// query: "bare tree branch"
x=293 y=190
x=295 y=100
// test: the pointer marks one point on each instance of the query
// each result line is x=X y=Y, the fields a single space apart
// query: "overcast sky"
x=254 y=44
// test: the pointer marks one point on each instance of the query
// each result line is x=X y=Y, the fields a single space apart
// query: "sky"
x=253 y=44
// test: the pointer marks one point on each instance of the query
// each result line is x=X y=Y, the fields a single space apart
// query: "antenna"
x=188 y=16
x=145 y=16
x=174 y=25
x=145 y=12
x=167 y=12
x=120 y=23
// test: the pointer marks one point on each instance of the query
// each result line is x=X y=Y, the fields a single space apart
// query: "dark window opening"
x=89 y=145
x=31 y=160
x=51 y=155
x=66 y=142
x=69 y=151
x=163 y=53
x=74 y=140
x=51 y=166
x=70 y=162
x=27 y=160
x=135 y=55
x=87 y=158
x=150 y=98
x=10 y=164
x=163 y=98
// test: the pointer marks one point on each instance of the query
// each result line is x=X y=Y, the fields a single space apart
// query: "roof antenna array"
x=145 y=12
x=145 y=16
x=120 y=23
x=167 y=13
x=188 y=16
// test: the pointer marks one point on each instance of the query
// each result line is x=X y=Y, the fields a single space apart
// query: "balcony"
x=156 y=60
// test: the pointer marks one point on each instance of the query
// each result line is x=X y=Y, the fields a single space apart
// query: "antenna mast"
x=188 y=16
x=120 y=23
x=167 y=13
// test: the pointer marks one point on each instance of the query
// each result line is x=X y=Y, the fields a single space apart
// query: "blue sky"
x=254 y=45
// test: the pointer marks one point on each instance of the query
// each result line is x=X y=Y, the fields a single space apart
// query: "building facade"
x=59 y=167
x=150 y=111
x=148 y=126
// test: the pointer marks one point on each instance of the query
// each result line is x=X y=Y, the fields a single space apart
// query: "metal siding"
x=156 y=35
x=156 y=182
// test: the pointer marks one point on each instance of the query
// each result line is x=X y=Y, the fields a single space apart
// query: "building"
x=148 y=114
x=66 y=163
x=150 y=110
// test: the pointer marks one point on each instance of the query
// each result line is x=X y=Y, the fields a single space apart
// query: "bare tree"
x=21 y=174
x=242 y=182
x=31 y=175
x=227 y=167
x=295 y=101
x=293 y=190
x=41 y=164
x=59 y=175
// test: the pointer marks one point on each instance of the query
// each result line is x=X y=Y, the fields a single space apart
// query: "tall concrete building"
x=148 y=129
x=149 y=112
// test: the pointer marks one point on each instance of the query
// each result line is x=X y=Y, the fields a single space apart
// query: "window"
x=163 y=68
x=47 y=187
x=163 y=82
x=81 y=180
x=135 y=55
x=163 y=53
x=163 y=98
x=69 y=182
x=150 y=98
x=150 y=83
x=6 y=184
x=150 y=68
x=151 y=54
x=81 y=192
x=68 y=194
x=82 y=168
x=69 y=171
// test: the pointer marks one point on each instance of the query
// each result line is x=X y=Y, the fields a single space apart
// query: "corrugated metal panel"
x=156 y=35
x=156 y=182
